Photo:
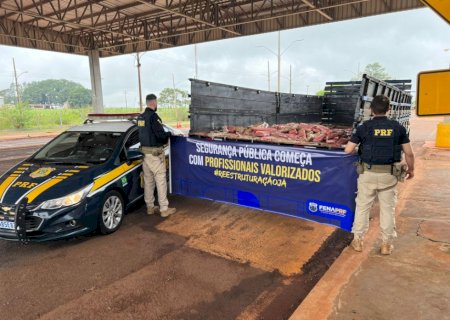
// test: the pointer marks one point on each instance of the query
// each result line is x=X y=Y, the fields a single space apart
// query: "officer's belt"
x=152 y=150
x=378 y=168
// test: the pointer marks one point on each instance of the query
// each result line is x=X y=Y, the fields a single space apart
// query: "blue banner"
x=311 y=184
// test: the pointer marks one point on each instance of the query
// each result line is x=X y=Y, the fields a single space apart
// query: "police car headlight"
x=66 y=201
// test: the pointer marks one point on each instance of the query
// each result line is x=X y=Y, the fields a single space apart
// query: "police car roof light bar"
x=103 y=117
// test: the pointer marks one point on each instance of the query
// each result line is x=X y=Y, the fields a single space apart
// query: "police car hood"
x=40 y=181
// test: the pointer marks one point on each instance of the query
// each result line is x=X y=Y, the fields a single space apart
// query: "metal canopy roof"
x=118 y=27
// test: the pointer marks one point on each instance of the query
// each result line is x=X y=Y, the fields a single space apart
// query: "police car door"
x=131 y=183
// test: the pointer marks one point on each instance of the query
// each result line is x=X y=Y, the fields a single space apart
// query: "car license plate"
x=7 y=225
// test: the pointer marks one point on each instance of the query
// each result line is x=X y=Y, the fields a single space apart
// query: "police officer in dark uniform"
x=153 y=139
x=381 y=142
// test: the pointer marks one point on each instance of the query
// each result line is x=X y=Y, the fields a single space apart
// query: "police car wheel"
x=112 y=212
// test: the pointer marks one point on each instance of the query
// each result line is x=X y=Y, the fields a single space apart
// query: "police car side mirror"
x=134 y=155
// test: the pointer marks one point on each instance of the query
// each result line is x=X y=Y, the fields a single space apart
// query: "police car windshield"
x=79 y=147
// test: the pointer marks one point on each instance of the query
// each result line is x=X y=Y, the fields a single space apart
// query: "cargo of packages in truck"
x=220 y=111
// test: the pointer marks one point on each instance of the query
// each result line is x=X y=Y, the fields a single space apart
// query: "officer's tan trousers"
x=371 y=184
x=154 y=168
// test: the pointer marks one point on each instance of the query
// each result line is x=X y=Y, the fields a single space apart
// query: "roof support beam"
x=31 y=6
x=95 y=15
x=286 y=13
x=154 y=5
x=40 y=39
x=74 y=8
x=124 y=36
x=307 y=2
x=242 y=16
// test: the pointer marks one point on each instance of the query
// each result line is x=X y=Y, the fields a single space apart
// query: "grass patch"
x=24 y=118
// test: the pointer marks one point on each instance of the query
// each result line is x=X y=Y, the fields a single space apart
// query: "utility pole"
x=268 y=73
x=126 y=102
x=290 y=78
x=196 y=61
x=174 y=92
x=279 y=60
x=138 y=65
x=175 y=99
x=17 y=84
x=278 y=55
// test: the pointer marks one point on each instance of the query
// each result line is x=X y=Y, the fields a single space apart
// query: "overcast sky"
x=404 y=43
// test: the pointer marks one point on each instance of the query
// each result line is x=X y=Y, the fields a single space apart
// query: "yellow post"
x=443 y=134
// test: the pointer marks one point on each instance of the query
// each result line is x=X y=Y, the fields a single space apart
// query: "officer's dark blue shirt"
x=380 y=140
x=151 y=130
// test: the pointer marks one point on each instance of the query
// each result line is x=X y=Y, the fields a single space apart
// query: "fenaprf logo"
x=326 y=208
x=313 y=207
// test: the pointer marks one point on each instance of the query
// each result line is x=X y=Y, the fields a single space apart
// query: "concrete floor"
x=412 y=283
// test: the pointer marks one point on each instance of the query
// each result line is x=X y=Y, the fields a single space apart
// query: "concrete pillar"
x=96 y=81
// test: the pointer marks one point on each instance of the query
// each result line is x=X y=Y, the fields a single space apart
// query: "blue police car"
x=81 y=181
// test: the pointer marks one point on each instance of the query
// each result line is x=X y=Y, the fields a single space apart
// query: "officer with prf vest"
x=381 y=143
x=153 y=138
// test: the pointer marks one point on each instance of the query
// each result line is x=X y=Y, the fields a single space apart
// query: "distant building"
x=39 y=106
x=46 y=106
x=2 y=101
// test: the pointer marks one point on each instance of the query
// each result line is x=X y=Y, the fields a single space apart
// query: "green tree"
x=173 y=98
x=57 y=92
x=320 y=93
x=375 y=70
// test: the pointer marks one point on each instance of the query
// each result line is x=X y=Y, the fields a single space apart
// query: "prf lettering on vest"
x=383 y=132
x=141 y=123
x=24 y=184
